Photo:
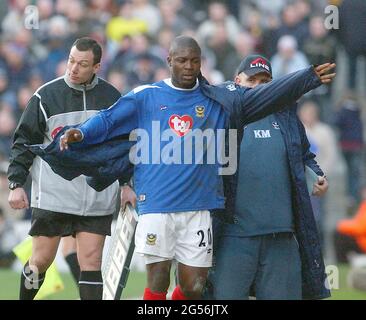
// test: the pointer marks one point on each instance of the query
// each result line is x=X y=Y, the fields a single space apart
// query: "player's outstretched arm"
x=70 y=136
x=258 y=102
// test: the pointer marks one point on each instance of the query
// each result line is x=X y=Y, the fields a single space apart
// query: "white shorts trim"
x=182 y=236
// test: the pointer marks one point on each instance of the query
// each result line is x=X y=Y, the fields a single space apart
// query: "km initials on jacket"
x=262 y=134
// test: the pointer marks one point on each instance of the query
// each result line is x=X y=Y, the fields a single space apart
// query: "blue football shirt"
x=177 y=145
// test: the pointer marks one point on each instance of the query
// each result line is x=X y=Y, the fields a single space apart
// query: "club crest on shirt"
x=200 y=111
x=151 y=239
x=180 y=124
x=275 y=125
x=142 y=197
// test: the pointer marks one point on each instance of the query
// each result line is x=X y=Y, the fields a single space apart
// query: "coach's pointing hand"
x=322 y=72
x=70 y=136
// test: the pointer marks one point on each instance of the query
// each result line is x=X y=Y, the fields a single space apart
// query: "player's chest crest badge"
x=200 y=111
x=181 y=125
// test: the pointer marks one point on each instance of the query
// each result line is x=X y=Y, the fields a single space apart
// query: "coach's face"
x=80 y=66
x=252 y=81
x=185 y=65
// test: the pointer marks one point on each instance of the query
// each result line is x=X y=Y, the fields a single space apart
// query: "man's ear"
x=237 y=80
x=96 y=68
x=169 y=61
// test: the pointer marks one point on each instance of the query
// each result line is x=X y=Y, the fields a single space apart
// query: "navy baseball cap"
x=254 y=64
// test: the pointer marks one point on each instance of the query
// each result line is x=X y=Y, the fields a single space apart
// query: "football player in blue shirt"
x=176 y=178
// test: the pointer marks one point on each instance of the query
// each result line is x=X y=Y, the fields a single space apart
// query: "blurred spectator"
x=99 y=10
x=141 y=71
x=35 y=79
x=320 y=47
x=61 y=68
x=125 y=24
x=7 y=126
x=272 y=23
x=23 y=95
x=79 y=23
x=4 y=192
x=17 y=66
x=8 y=240
x=170 y=18
x=304 y=9
x=3 y=11
x=212 y=75
x=253 y=25
x=244 y=46
x=57 y=41
x=164 y=39
x=293 y=23
x=6 y=95
x=351 y=33
x=137 y=61
x=217 y=14
x=288 y=59
x=45 y=12
x=14 y=19
x=350 y=234
x=349 y=123
x=161 y=74
x=118 y=80
x=273 y=8
x=219 y=43
x=144 y=10
x=323 y=144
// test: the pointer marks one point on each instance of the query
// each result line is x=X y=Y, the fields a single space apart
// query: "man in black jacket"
x=60 y=207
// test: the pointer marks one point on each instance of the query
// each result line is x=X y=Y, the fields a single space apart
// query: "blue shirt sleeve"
x=119 y=119
x=262 y=100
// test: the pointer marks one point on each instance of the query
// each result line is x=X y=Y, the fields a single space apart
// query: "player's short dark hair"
x=184 y=42
x=86 y=44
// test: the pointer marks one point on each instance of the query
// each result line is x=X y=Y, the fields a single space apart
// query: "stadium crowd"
x=35 y=37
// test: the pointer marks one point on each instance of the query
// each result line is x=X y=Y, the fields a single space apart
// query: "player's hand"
x=322 y=72
x=128 y=196
x=320 y=187
x=70 y=136
x=18 y=199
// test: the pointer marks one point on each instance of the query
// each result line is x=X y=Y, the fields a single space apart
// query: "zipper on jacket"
x=85 y=199
x=84 y=100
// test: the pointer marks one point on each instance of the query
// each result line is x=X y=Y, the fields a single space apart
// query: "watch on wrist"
x=14 y=185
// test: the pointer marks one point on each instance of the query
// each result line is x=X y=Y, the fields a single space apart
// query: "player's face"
x=80 y=66
x=185 y=67
x=252 y=81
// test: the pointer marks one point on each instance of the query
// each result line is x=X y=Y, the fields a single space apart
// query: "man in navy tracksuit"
x=271 y=204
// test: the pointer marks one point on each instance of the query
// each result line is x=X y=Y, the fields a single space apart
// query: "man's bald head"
x=184 y=62
x=184 y=42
